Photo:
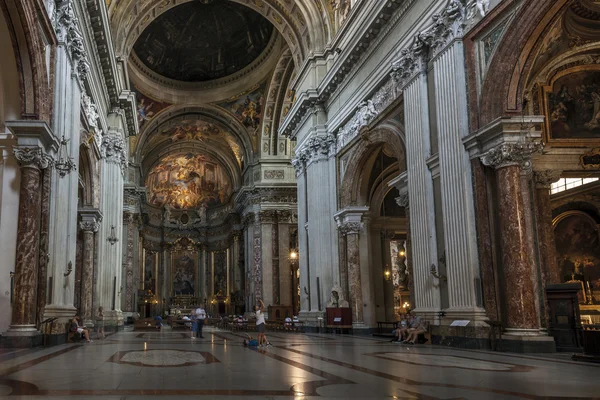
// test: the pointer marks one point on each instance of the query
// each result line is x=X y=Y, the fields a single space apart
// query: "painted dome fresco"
x=197 y=42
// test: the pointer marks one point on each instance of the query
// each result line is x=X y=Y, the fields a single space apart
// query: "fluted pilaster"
x=420 y=187
x=462 y=266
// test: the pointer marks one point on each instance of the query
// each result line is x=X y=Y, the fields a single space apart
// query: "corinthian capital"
x=511 y=154
x=402 y=200
x=69 y=32
x=114 y=150
x=32 y=157
x=89 y=225
x=351 y=228
x=545 y=179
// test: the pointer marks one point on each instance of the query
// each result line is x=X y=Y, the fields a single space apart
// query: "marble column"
x=128 y=258
x=275 y=262
x=267 y=228
x=404 y=201
x=257 y=277
x=460 y=238
x=420 y=187
x=517 y=267
x=351 y=231
x=546 y=243
x=32 y=161
x=89 y=224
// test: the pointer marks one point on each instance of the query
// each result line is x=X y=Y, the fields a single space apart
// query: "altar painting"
x=578 y=250
x=188 y=181
x=573 y=107
x=220 y=274
x=184 y=274
x=150 y=265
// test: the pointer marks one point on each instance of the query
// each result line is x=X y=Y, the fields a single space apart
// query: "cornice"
x=348 y=57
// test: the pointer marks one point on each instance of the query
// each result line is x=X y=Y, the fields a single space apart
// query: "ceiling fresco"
x=147 y=108
x=195 y=130
x=196 y=42
x=187 y=181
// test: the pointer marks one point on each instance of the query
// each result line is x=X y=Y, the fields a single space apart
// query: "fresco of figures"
x=574 y=106
x=578 y=250
x=184 y=276
x=188 y=181
x=248 y=108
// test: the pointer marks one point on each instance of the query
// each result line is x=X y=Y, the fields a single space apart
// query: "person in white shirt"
x=260 y=324
x=200 y=317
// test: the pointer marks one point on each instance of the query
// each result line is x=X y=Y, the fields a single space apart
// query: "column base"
x=22 y=336
x=528 y=343
x=476 y=316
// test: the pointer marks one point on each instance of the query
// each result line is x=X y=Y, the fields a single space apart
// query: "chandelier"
x=64 y=164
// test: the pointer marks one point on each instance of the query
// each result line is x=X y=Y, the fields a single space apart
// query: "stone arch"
x=294 y=22
x=523 y=33
x=353 y=184
x=86 y=178
x=32 y=39
x=211 y=113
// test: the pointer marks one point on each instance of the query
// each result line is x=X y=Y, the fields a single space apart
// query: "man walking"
x=200 y=316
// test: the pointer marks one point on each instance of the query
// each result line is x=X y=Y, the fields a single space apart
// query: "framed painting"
x=572 y=107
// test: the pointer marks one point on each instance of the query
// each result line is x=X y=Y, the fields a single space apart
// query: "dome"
x=197 y=42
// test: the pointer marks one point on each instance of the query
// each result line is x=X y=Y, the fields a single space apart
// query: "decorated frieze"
x=68 y=31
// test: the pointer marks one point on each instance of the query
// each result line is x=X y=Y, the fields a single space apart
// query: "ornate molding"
x=545 y=179
x=32 y=157
x=351 y=228
x=113 y=149
x=508 y=154
x=68 y=31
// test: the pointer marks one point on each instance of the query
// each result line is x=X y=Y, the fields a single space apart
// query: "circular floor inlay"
x=163 y=357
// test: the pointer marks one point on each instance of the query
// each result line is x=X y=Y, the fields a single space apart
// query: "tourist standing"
x=200 y=317
x=260 y=324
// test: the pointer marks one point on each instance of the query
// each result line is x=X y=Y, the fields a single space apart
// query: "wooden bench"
x=385 y=328
x=145 y=325
x=181 y=324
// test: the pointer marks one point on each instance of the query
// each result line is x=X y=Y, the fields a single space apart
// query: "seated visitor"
x=419 y=327
x=158 y=320
x=75 y=327
x=401 y=331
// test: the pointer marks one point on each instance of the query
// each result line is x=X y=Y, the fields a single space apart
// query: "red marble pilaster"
x=484 y=241
x=128 y=221
x=516 y=263
x=87 y=275
x=44 y=244
x=32 y=161
x=354 y=279
x=546 y=242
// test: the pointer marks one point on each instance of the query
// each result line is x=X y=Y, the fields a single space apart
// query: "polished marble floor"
x=171 y=365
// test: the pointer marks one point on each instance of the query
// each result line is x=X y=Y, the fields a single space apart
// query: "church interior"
x=346 y=163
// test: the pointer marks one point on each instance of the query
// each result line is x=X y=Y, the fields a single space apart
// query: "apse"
x=187 y=181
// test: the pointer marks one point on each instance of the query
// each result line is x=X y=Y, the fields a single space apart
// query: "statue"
x=337 y=298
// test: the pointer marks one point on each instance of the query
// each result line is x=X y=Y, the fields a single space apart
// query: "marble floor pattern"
x=171 y=365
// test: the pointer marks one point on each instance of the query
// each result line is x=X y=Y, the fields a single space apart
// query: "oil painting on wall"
x=150 y=264
x=573 y=106
x=187 y=181
x=220 y=273
x=184 y=274
x=578 y=251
